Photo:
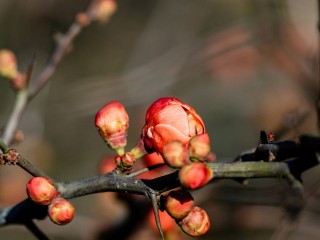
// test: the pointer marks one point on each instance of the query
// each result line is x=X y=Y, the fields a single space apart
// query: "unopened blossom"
x=61 y=211
x=196 y=223
x=195 y=175
x=112 y=122
x=168 y=119
x=41 y=190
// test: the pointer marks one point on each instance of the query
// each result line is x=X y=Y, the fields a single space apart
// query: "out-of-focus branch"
x=64 y=43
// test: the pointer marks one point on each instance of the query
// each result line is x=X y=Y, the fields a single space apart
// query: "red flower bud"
x=196 y=223
x=169 y=119
x=61 y=211
x=41 y=190
x=199 y=147
x=195 y=175
x=8 y=64
x=112 y=122
x=175 y=154
x=125 y=162
x=178 y=204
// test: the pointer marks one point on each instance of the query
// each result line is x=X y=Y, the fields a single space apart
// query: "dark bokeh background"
x=243 y=65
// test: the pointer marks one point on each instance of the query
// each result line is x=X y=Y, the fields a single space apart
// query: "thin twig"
x=35 y=230
x=24 y=163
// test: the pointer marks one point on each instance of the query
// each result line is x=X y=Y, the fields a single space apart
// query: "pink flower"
x=169 y=119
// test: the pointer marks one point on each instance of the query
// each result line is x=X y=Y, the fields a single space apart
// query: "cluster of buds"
x=179 y=206
x=9 y=69
x=42 y=191
x=177 y=132
x=173 y=134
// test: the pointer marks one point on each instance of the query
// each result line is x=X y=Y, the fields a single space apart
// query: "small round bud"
x=175 y=154
x=41 y=190
x=61 y=211
x=8 y=64
x=178 y=204
x=112 y=122
x=125 y=162
x=199 y=147
x=195 y=175
x=196 y=223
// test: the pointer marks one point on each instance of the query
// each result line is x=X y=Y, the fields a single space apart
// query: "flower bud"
x=41 y=190
x=112 y=122
x=61 y=211
x=8 y=64
x=125 y=162
x=195 y=175
x=178 y=204
x=169 y=119
x=196 y=223
x=199 y=147
x=102 y=10
x=175 y=154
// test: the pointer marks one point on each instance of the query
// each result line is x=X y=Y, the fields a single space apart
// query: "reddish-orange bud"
x=196 y=223
x=61 y=211
x=175 y=154
x=8 y=64
x=195 y=175
x=199 y=147
x=169 y=119
x=178 y=204
x=41 y=190
x=112 y=122
x=125 y=162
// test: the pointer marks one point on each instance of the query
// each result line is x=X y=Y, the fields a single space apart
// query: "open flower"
x=169 y=119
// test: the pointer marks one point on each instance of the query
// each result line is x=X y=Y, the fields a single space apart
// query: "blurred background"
x=244 y=65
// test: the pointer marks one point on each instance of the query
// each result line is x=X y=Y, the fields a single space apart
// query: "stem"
x=24 y=163
x=35 y=230
x=15 y=117
x=109 y=182
x=63 y=44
